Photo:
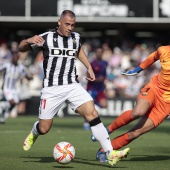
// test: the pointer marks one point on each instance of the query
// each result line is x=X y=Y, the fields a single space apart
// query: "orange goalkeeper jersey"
x=160 y=82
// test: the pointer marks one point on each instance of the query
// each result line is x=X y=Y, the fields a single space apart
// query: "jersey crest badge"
x=74 y=41
x=55 y=39
x=144 y=93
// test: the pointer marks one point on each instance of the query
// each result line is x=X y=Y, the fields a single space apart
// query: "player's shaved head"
x=67 y=12
x=66 y=23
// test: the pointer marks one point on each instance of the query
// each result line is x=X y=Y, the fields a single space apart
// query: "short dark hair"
x=68 y=12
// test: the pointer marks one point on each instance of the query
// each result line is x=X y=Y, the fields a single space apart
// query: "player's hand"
x=38 y=40
x=129 y=73
x=133 y=72
x=90 y=75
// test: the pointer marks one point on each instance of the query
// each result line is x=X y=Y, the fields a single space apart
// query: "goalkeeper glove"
x=132 y=72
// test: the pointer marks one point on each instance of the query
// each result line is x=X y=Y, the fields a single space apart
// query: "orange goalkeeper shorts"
x=159 y=109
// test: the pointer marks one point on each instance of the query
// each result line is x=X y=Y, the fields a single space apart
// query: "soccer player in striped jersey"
x=13 y=72
x=152 y=105
x=61 y=47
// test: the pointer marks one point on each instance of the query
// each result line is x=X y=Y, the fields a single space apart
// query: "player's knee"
x=91 y=115
x=95 y=113
x=137 y=114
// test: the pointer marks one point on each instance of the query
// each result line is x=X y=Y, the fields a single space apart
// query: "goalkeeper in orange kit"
x=152 y=105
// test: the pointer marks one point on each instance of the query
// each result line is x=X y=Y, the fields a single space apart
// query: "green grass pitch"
x=149 y=152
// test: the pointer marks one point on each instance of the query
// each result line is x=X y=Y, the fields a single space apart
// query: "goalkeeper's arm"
x=133 y=72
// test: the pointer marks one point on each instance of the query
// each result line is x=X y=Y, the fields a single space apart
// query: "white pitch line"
x=12 y=131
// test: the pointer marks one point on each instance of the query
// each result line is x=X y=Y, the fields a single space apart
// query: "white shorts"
x=52 y=99
x=11 y=95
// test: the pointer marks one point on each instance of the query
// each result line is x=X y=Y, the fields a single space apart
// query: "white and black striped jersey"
x=12 y=73
x=60 y=54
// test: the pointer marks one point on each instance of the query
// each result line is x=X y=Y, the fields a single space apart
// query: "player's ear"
x=59 y=22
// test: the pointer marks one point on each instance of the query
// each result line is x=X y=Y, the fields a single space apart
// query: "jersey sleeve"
x=36 y=47
x=39 y=47
x=153 y=57
x=3 y=66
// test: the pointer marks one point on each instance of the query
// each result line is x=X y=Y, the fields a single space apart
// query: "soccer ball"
x=63 y=152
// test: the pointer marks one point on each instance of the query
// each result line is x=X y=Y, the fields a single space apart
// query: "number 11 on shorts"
x=43 y=103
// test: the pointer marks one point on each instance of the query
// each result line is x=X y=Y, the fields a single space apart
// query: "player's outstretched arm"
x=25 y=44
x=132 y=72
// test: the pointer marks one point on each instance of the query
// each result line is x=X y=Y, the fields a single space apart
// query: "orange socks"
x=120 y=141
x=124 y=119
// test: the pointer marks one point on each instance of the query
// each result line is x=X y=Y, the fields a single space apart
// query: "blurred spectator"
x=125 y=62
x=5 y=54
x=115 y=60
x=13 y=72
x=107 y=52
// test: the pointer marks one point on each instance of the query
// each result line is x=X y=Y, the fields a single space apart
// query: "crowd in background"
x=120 y=58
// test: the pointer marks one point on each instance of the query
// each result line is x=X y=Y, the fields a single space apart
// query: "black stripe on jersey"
x=54 y=61
x=46 y=56
x=45 y=42
x=74 y=41
x=70 y=71
x=65 y=42
x=76 y=75
x=60 y=77
x=45 y=63
x=52 y=69
x=5 y=70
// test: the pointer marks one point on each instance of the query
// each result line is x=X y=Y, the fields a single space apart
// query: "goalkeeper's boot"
x=94 y=139
x=29 y=141
x=116 y=156
x=101 y=156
